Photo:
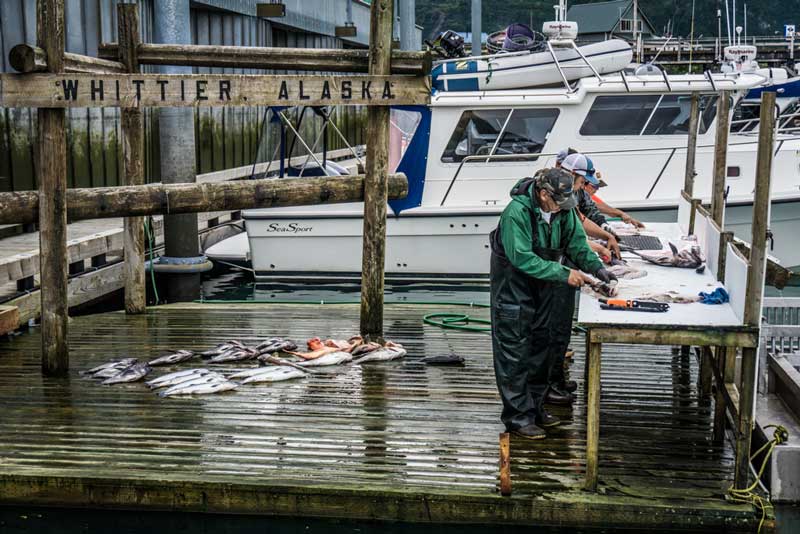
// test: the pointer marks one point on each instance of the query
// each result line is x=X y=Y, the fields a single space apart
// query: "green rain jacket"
x=564 y=232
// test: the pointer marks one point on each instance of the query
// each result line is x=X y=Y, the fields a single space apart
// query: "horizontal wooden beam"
x=137 y=200
x=777 y=275
x=642 y=334
x=9 y=319
x=28 y=59
x=208 y=90
x=80 y=290
x=256 y=57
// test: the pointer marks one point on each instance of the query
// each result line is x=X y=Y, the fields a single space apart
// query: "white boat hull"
x=421 y=245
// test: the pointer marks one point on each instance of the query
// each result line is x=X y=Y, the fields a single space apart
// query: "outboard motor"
x=448 y=45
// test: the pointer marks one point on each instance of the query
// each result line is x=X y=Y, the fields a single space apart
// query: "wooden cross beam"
x=154 y=199
x=208 y=90
x=410 y=62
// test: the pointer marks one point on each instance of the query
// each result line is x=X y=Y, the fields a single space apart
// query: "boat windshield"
x=500 y=131
x=646 y=115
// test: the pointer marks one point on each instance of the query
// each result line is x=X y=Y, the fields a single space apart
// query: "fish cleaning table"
x=684 y=324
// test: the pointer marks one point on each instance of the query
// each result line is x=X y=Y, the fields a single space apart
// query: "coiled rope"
x=748 y=495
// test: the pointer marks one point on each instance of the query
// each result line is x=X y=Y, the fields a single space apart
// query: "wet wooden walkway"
x=394 y=441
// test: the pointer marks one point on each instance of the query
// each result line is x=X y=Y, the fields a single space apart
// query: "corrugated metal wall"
x=225 y=137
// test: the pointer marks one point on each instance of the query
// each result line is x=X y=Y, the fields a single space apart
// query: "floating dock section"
x=395 y=441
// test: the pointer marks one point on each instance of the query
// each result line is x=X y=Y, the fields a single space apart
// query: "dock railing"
x=780 y=335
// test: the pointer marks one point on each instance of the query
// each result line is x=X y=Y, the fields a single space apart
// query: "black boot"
x=568 y=386
x=529 y=432
x=546 y=420
x=558 y=396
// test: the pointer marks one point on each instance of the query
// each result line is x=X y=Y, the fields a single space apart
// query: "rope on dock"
x=748 y=495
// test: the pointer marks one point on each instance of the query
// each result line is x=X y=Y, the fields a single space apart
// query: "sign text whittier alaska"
x=157 y=90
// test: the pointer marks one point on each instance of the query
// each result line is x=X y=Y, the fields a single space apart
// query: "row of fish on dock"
x=272 y=367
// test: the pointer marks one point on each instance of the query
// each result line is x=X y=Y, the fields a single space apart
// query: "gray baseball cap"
x=558 y=183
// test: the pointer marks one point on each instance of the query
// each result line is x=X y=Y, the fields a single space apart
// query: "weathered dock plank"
x=393 y=441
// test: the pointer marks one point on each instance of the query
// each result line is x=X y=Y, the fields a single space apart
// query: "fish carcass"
x=175 y=378
x=170 y=378
x=109 y=369
x=276 y=345
x=234 y=355
x=391 y=351
x=690 y=257
x=276 y=374
x=171 y=358
x=332 y=358
x=135 y=372
x=222 y=347
x=314 y=353
x=205 y=388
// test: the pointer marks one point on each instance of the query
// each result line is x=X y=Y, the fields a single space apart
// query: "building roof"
x=601 y=17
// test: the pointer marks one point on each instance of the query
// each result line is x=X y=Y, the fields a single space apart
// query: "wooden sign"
x=208 y=90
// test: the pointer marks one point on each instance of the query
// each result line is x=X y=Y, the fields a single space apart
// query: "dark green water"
x=17 y=520
x=239 y=285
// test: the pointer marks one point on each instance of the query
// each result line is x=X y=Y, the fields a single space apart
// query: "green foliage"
x=764 y=17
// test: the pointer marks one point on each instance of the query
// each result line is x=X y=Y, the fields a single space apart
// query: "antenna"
x=728 y=23
x=733 y=18
x=745 y=22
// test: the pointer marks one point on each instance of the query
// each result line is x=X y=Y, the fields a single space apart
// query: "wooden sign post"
x=377 y=170
x=691 y=146
x=51 y=159
x=133 y=167
x=755 y=284
x=721 y=158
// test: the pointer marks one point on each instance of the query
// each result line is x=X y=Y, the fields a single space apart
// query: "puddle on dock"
x=17 y=520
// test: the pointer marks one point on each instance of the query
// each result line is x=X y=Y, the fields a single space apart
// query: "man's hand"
x=614 y=246
x=627 y=219
x=604 y=275
x=601 y=251
x=576 y=278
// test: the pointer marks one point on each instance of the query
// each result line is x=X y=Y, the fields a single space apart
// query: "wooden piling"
x=377 y=169
x=755 y=284
x=51 y=158
x=691 y=146
x=592 y=414
x=133 y=166
x=505 y=464
x=720 y=158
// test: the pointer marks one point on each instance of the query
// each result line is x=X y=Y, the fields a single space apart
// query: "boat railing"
x=533 y=156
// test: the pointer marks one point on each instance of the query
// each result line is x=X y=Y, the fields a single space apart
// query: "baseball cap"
x=579 y=164
x=590 y=173
x=562 y=154
x=558 y=183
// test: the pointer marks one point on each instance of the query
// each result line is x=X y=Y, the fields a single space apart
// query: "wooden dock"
x=398 y=441
x=94 y=247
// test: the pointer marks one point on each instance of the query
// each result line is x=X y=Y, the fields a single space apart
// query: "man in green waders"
x=536 y=230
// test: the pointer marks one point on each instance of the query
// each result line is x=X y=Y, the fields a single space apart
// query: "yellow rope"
x=748 y=495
